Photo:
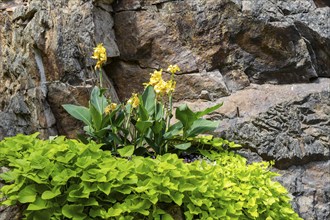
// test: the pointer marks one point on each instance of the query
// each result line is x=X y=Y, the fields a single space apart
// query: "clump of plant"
x=142 y=125
x=66 y=179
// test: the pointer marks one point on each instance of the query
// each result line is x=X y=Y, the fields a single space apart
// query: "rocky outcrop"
x=259 y=41
x=287 y=124
x=45 y=49
x=268 y=61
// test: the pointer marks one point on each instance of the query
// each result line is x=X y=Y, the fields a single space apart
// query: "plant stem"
x=100 y=73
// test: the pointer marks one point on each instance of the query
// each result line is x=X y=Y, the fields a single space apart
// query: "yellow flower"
x=110 y=108
x=155 y=78
x=134 y=100
x=100 y=54
x=173 y=68
x=170 y=86
x=160 y=87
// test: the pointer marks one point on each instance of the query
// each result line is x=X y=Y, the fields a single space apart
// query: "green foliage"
x=146 y=126
x=66 y=179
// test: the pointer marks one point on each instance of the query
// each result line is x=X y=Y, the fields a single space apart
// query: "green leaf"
x=9 y=176
x=143 y=113
x=126 y=151
x=98 y=100
x=148 y=99
x=158 y=127
x=186 y=116
x=73 y=211
x=79 y=112
x=177 y=197
x=200 y=126
x=112 y=212
x=28 y=194
x=159 y=112
x=208 y=110
x=37 y=205
x=173 y=130
x=50 y=194
x=184 y=146
x=96 y=117
x=142 y=126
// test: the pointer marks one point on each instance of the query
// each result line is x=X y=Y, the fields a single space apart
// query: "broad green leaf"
x=173 y=130
x=208 y=110
x=142 y=126
x=9 y=176
x=96 y=117
x=98 y=100
x=186 y=116
x=126 y=151
x=177 y=197
x=119 y=119
x=79 y=112
x=148 y=99
x=28 y=194
x=234 y=145
x=112 y=212
x=91 y=202
x=159 y=112
x=50 y=194
x=77 y=192
x=184 y=146
x=200 y=126
x=143 y=113
x=44 y=214
x=97 y=212
x=105 y=187
x=158 y=127
x=39 y=204
x=73 y=211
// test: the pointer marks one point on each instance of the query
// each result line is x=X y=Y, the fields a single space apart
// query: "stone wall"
x=45 y=49
x=268 y=61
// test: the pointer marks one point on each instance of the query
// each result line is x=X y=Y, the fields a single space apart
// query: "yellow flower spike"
x=134 y=100
x=160 y=87
x=155 y=78
x=170 y=86
x=173 y=69
x=110 y=108
x=100 y=54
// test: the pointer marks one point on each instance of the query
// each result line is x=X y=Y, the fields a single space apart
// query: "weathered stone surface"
x=267 y=41
x=291 y=133
x=310 y=186
x=45 y=49
x=227 y=51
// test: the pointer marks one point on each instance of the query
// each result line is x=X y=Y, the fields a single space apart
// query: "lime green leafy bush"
x=66 y=179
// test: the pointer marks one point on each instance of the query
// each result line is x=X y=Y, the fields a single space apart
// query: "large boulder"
x=264 y=41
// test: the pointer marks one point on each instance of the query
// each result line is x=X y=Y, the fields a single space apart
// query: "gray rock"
x=256 y=56
x=44 y=44
x=310 y=195
x=289 y=124
x=291 y=133
x=268 y=41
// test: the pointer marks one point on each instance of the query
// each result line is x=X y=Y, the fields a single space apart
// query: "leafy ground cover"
x=133 y=162
x=67 y=179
